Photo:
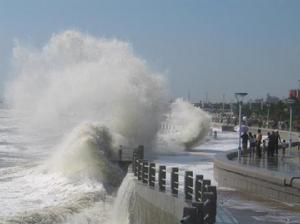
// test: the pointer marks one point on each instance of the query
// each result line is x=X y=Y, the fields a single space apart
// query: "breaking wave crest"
x=185 y=126
x=85 y=154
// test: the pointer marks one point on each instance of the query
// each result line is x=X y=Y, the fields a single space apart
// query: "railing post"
x=152 y=172
x=145 y=172
x=199 y=206
x=162 y=178
x=189 y=215
x=140 y=169
x=213 y=190
x=174 y=181
x=207 y=207
x=205 y=183
x=188 y=185
x=120 y=153
x=134 y=163
x=198 y=187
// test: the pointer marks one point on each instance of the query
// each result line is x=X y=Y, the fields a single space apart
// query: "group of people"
x=258 y=145
x=273 y=143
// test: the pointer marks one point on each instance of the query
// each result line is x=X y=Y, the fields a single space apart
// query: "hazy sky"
x=214 y=47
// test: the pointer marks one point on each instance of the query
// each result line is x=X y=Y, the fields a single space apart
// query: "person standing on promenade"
x=245 y=139
x=284 y=146
x=277 y=139
x=252 y=142
x=264 y=147
x=258 y=142
x=271 y=143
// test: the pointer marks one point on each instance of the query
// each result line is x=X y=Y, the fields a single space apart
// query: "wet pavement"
x=287 y=163
x=249 y=209
x=233 y=206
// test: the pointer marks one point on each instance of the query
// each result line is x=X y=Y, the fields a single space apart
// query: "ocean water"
x=32 y=191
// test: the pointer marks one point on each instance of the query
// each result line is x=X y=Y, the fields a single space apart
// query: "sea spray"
x=76 y=78
x=185 y=126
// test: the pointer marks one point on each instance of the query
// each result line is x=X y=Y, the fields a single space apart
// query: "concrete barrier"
x=152 y=206
x=196 y=204
x=258 y=181
x=149 y=206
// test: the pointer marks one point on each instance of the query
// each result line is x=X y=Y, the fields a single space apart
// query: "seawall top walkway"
x=273 y=177
x=287 y=164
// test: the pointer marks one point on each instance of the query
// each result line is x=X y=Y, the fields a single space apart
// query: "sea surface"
x=34 y=187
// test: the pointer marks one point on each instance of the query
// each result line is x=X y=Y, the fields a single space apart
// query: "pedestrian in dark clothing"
x=258 y=142
x=277 y=139
x=245 y=139
x=264 y=147
x=271 y=143
x=252 y=142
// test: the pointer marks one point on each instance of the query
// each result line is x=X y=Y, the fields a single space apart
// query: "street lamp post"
x=239 y=97
x=268 y=106
x=290 y=103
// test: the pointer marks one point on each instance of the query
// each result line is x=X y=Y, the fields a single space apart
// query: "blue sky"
x=205 y=47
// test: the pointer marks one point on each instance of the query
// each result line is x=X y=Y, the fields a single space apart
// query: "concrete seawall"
x=258 y=181
x=149 y=206
x=152 y=206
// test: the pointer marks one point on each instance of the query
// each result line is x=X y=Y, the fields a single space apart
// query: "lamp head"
x=240 y=96
x=290 y=101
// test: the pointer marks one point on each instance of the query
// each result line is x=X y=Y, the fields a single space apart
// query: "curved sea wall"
x=258 y=181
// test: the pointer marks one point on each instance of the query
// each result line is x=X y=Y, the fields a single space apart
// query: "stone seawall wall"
x=152 y=206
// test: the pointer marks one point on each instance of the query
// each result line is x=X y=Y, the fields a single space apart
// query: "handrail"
x=198 y=192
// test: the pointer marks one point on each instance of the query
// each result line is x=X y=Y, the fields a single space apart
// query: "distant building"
x=271 y=99
x=198 y=104
x=294 y=93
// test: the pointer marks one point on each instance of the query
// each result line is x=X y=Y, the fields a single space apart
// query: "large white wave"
x=85 y=154
x=185 y=127
x=90 y=95
x=77 y=78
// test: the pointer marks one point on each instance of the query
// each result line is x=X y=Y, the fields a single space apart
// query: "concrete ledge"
x=148 y=201
x=258 y=181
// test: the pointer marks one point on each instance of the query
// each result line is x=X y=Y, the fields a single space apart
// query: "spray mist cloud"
x=77 y=78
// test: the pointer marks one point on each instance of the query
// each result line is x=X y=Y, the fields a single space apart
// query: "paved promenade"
x=287 y=163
